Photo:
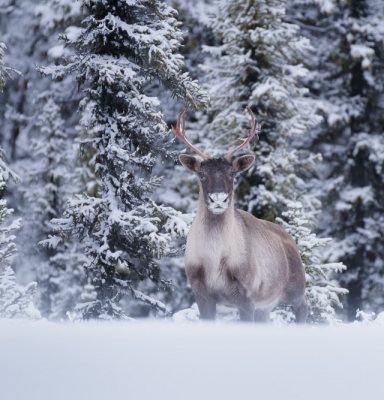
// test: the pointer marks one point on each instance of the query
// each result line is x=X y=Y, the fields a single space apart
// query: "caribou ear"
x=189 y=162
x=242 y=163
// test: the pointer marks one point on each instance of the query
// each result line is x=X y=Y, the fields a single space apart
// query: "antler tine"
x=179 y=117
x=181 y=134
x=252 y=116
x=253 y=134
x=184 y=111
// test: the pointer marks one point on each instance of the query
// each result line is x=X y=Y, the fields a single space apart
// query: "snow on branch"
x=321 y=291
x=155 y=304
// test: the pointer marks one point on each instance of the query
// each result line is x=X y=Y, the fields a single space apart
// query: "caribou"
x=232 y=257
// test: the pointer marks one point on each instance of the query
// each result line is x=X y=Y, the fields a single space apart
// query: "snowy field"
x=165 y=360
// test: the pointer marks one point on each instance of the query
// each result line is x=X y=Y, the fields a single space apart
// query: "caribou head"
x=216 y=175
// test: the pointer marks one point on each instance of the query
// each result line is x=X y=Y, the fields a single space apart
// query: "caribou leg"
x=204 y=299
x=261 y=315
x=247 y=311
x=207 y=306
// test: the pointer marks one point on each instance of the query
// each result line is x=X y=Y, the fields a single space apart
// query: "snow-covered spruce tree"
x=122 y=47
x=30 y=30
x=321 y=291
x=48 y=180
x=27 y=46
x=31 y=39
x=347 y=77
x=15 y=302
x=259 y=64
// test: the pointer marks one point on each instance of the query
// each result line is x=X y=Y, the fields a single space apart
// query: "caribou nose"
x=220 y=197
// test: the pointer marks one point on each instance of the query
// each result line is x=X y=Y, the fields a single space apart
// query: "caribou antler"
x=181 y=134
x=253 y=135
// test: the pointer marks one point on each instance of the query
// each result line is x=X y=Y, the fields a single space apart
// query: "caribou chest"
x=219 y=250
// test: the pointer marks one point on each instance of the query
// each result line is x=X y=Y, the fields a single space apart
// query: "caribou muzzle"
x=218 y=202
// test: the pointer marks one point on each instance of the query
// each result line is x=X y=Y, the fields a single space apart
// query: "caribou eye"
x=233 y=174
x=201 y=175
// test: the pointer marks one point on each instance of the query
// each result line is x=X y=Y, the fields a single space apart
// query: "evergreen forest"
x=95 y=206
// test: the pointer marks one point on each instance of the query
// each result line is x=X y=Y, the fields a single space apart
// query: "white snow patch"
x=163 y=360
x=187 y=316
x=326 y=6
x=362 y=52
x=351 y=195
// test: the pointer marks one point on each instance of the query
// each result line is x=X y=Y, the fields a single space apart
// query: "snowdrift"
x=165 y=360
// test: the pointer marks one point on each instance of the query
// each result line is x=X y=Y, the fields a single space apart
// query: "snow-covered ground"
x=165 y=360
